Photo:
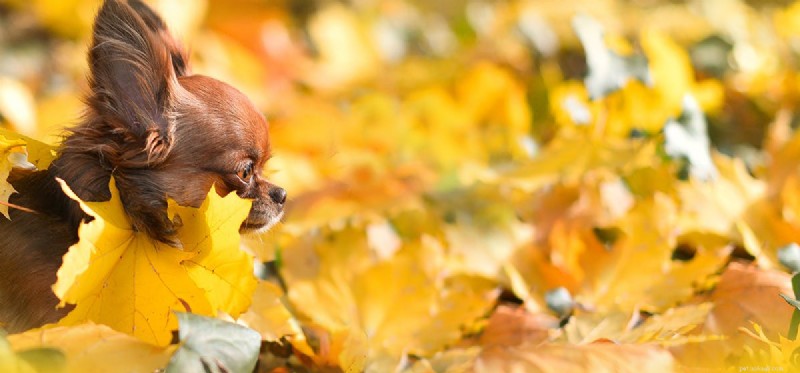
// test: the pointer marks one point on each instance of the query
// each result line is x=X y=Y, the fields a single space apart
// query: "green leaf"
x=795 y=322
x=791 y=301
x=796 y=285
x=214 y=346
x=608 y=71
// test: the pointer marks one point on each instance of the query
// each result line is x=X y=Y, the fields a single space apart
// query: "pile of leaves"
x=480 y=186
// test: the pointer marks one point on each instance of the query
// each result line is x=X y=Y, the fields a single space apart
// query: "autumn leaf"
x=12 y=153
x=674 y=327
x=95 y=348
x=269 y=316
x=393 y=301
x=596 y=357
x=474 y=186
x=780 y=353
x=572 y=156
x=17 y=106
x=113 y=267
x=19 y=151
x=508 y=326
x=30 y=360
x=743 y=295
x=218 y=267
x=646 y=249
x=213 y=344
x=39 y=154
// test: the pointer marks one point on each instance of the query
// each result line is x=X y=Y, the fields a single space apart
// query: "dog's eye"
x=246 y=172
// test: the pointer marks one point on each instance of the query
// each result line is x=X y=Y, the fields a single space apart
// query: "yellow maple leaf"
x=124 y=279
x=19 y=151
x=779 y=355
x=400 y=307
x=38 y=153
x=218 y=267
x=644 y=250
x=9 y=150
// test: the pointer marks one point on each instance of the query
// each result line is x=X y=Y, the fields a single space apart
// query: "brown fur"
x=160 y=131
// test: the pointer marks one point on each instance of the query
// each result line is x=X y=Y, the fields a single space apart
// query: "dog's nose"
x=278 y=195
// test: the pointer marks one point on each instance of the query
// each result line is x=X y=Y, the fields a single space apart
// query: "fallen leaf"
x=509 y=326
x=268 y=315
x=555 y=358
x=95 y=348
x=215 y=345
x=30 y=360
x=744 y=294
x=394 y=302
x=17 y=106
x=144 y=282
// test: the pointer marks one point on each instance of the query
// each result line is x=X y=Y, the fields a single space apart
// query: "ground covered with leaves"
x=475 y=186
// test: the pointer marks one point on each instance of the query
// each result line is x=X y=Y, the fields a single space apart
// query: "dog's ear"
x=134 y=77
x=180 y=60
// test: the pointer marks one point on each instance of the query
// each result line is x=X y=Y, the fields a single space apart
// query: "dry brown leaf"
x=514 y=326
x=744 y=294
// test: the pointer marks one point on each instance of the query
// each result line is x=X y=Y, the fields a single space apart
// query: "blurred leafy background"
x=494 y=185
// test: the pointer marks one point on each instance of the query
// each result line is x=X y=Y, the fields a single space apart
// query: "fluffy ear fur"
x=180 y=61
x=133 y=79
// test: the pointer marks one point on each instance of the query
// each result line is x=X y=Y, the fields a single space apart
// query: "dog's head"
x=161 y=131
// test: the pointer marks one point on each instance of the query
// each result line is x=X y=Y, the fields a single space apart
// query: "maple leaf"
x=646 y=249
x=218 y=267
x=18 y=151
x=780 y=354
x=743 y=295
x=9 y=152
x=37 y=153
x=393 y=301
x=122 y=278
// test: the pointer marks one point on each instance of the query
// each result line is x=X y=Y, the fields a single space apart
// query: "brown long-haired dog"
x=160 y=131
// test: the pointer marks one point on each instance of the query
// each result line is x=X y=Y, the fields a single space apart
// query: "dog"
x=159 y=130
